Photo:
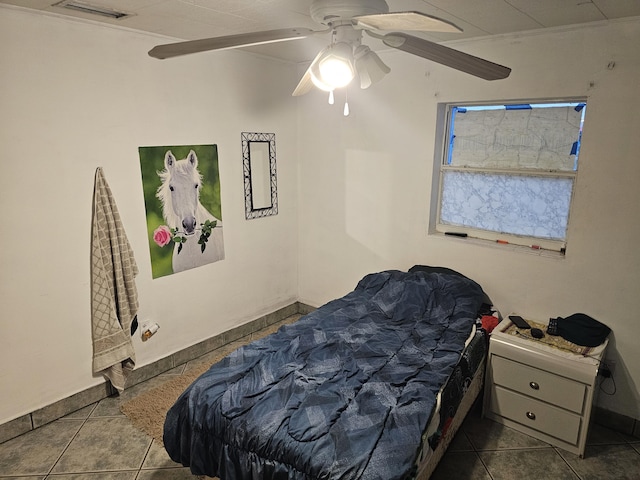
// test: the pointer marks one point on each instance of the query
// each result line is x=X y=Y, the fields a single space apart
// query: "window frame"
x=489 y=236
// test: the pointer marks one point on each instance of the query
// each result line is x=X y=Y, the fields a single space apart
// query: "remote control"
x=519 y=321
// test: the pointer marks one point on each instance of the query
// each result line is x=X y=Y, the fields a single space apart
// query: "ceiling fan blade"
x=446 y=56
x=230 y=41
x=407 y=21
x=305 y=85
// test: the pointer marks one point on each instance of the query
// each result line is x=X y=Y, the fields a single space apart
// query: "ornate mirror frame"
x=260 y=179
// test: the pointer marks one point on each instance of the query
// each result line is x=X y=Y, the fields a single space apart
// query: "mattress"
x=346 y=392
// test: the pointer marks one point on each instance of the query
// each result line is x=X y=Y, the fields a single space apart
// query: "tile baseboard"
x=616 y=421
x=91 y=395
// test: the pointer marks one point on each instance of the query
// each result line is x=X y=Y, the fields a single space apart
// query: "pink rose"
x=162 y=235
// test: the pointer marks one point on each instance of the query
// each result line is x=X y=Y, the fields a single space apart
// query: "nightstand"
x=542 y=387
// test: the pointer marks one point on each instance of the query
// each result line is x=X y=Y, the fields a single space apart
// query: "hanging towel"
x=114 y=297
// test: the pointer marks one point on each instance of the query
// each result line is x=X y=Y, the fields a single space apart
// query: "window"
x=508 y=172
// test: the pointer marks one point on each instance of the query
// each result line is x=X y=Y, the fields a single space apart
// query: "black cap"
x=582 y=330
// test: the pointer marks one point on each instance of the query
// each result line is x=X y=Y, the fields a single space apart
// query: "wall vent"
x=91 y=9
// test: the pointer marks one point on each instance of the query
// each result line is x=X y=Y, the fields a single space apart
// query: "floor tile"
x=541 y=463
x=108 y=407
x=81 y=414
x=59 y=409
x=458 y=465
x=38 y=477
x=485 y=434
x=131 y=475
x=104 y=444
x=158 y=458
x=613 y=462
x=167 y=474
x=600 y=435
x=35 y=452
x=460 y=443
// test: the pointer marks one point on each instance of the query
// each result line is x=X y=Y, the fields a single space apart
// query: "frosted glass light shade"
x=335 y=67
x=370 y=67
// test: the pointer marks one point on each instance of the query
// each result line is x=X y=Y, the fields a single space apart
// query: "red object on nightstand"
x=489 y=322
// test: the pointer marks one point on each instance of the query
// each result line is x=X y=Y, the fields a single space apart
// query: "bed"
x=372 y=385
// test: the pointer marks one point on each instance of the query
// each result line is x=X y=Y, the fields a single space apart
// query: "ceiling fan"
x=346 y=57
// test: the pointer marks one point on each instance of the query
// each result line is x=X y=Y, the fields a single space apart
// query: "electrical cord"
x=605 y=378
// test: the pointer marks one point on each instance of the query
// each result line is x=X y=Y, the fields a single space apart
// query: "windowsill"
x=506 y=247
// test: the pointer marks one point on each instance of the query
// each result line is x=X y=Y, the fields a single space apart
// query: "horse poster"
x=182 y=200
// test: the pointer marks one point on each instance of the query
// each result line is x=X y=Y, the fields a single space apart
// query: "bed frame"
x=429 y=464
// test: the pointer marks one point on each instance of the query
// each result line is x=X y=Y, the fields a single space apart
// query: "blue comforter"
x=344 y=393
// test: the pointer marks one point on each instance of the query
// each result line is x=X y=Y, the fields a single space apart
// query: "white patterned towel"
x=114 y=297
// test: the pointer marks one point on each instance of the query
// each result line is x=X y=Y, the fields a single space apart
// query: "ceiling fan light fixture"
x=314 y=73
x=335 y=66
x=317 y=81
x=371 y=69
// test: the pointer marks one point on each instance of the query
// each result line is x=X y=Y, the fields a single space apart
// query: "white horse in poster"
x=182 y=210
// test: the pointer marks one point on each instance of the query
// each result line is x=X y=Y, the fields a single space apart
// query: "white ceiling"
x=194 y=19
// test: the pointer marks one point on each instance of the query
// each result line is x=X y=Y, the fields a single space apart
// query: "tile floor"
x=99 y=443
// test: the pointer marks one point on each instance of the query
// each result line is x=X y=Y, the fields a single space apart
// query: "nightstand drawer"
x=536 y=415
x=538 y=384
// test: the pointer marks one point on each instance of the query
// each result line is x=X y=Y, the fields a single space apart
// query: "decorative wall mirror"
x=260 y=184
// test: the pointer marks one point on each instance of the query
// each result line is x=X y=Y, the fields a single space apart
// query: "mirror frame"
x=247 y=139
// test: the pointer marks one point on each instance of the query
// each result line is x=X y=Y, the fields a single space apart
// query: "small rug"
x=148 y=410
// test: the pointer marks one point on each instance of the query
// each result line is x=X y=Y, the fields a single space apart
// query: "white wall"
x=76 y=95
x=365 y=188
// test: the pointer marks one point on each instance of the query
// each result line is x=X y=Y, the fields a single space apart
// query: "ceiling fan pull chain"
x=331 y=99
x=346 y=103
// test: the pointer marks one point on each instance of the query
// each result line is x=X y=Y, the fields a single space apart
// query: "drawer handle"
x=534 y=385
x=531 y=415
